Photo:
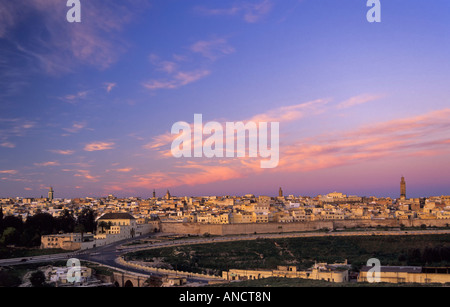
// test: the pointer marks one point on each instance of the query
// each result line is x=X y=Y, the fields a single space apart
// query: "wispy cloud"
x=124 y=170
x=76 y=127
x=62 y=152
x=283 y=114
x=424 y=135
x=160 y=141
x=358 y=100
x=96 y=41
x=73 y=98
x=175 y=70
x=12 y=128
x=9 y=171
x=8 y=145
x=191 y=174
x=177 y=80
x=212 y=49
x=49 y=163
x=86 y=174
x=413 y=136
x=98 y=146
x=110 y=86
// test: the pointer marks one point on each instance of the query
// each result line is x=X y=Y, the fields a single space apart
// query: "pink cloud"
x=124 y=170
x=76 y=127
x=285 y=114
x=62 y=152
x=97 y=146
x=425 y=135
x=191 y=174
x=358 y=100
x=110 y=86
x=49 y=163
x=291 y=113
x=9 y=171
x=7 y=145
x=86 y=175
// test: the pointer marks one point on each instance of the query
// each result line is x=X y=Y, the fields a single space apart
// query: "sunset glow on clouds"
x=87 y=108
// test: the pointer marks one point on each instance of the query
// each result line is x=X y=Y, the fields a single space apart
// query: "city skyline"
x=167 y=195
x=87 y=108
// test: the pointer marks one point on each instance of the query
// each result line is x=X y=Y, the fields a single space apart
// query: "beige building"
x=262 y=218
x=122 y=224
x=63 y=275
x=242 y=217
x=320 y=271
x=406 y=274
x=67 y=241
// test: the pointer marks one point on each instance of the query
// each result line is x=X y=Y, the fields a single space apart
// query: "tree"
x=65 y=222
x=414 y=256
x=13 y=221
x=14 y=225
x=41 y=223
x=30 y=238
x=79 y=228
x=103 y=225
x=36 y=226
x=87 y=219
x=9 y=236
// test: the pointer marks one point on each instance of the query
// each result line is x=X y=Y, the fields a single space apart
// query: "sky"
x=88 y=107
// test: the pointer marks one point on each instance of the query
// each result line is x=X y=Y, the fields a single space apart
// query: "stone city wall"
x=235 y=229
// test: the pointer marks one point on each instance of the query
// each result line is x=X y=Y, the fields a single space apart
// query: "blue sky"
x=87 y=107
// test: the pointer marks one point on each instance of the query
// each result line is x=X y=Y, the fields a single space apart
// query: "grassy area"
x=303 y=252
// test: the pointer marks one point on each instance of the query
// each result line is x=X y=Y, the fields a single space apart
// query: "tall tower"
x=50 y=194
x=280 y=193
x=403 y=188
x=154 y=194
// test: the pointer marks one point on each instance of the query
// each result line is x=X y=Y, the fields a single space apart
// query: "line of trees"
x=427 y=256
x=14 y=231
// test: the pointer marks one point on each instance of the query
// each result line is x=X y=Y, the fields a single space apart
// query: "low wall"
x=148 y=269
x=235 y=229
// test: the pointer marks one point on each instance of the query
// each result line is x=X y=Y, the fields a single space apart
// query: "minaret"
x=50 y=194
x=403 y=188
